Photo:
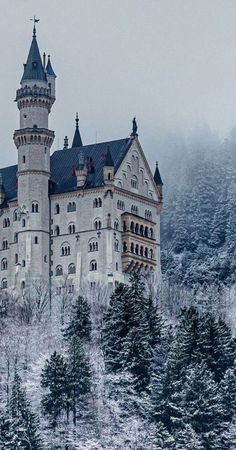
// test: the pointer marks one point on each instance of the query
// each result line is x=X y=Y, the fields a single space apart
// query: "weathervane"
x=35 y=21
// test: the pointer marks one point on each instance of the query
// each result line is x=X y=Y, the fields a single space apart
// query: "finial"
x=135 y=128
x=66 y=142
x=77 y=121
x=34 y=29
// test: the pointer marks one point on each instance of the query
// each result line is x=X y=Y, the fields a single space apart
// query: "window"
x=15 y=215
x=93 y=246
x=57 y=209
x=4 y=264
x=35 y=207
x=134 y=209
x=120 y=205
x=93 y=265
x=116 y=224
x=23 y=223
x=23 y=285
x=45 y=258
x=4 y=283
x=98 y=224
x=23 y=159
x=36 y=241
x=57 y=230
x=71 y=228
x=5 y=244
x=71 y=268
x=16 y=258
x=71 y=207
x=59 y=271
x=65 y=249
x=116 y=245
x=71 y=289
x=23 y=263
x=148 y=214
x=15 y=237
x=6 y=222
x=134 y=182
x=97 y=203
x=117 y=268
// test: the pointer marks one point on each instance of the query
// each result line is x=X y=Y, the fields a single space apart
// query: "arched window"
x=57 y=230
x=151 y=253
x=4 y=283
x=57 y=209
x=146 y=252
x=6 y=222
x=132 y=227
x=134 y=182
x=16 y=237
x=93 y=265
x=120 y=205
x=4 y=264
x=65 y=249
x=5 y=244
x=36 y=241
x=124 y=247
x=71 y=207
x=97 y=203
x=132 y=247
x=134 y=209
x=35 y=207
x=15 y=215
x=23 y=263
x=93 y=245
x=23 y=223
x=71 y=228
x=116 y=224
x=97 y=224
x=59 y=271
x=71 y=268
x=16 y=258
x=146 y=231
x=23 y=285
x=116 y=245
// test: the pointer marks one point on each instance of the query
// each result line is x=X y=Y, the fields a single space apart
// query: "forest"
x=150 y=365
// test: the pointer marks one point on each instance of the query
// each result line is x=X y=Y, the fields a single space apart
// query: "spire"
x=49 y=68
x=33 y=69
x=77 y=141
x=109 y=161
x=157 y=176
x=134 y=128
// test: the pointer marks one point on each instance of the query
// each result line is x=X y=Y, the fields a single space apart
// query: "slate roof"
x=157 y=177
x=49 y=68
x=33 y=69
x=64 y=163
x=109 y=161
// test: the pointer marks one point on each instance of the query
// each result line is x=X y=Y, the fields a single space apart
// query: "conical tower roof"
x=109 y=161
x=157 y=176
x=49 y=68
x=77 y=141
x=33 y=69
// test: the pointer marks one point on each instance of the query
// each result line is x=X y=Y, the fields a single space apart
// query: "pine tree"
x=187 y=439
x=54 y=378
x=228 y=393
x=80 y=322
x=162 y=439
x=79 y=375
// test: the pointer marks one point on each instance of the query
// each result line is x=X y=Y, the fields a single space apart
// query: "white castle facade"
x=89 y=212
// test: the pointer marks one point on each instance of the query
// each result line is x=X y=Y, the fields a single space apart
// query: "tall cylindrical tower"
x=33 y=140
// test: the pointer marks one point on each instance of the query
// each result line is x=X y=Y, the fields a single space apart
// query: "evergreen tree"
x=54 y=378
x=228 y=393
x=79 y=375
x=80 y=323
x=162 y=439
x=187 y=439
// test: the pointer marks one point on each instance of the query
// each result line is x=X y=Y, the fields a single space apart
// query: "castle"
x=89 y=212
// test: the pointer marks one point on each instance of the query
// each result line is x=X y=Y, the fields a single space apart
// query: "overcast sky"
x=172 y=63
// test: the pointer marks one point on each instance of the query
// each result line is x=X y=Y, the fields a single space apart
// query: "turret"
x=108 y=168
x=2 y=190
x=158 y=181
x=81 y=170
x=77 y=141
x=51 y=77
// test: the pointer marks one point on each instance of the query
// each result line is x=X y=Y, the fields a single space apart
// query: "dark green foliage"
x=80 y=324
x=55 y=379
x=132 y=328
x=19 y=425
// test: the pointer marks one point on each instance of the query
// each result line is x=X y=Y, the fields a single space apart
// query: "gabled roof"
x=64 y=163
x=157 y=177
x=33 y=69
x=49 y=68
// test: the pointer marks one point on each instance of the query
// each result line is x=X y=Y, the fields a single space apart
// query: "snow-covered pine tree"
x=78 y=375
x=54 y=379
x=228 y=393
x=79 y=324
x=187 y=439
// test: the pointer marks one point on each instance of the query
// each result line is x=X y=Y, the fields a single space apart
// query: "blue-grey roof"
x=49 y=68
x=109 y=161
x=77 y=141
x=64 y=163
x=33 y=69
x=157 y=177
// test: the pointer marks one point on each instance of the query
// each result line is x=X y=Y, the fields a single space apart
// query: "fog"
x=172 y=63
